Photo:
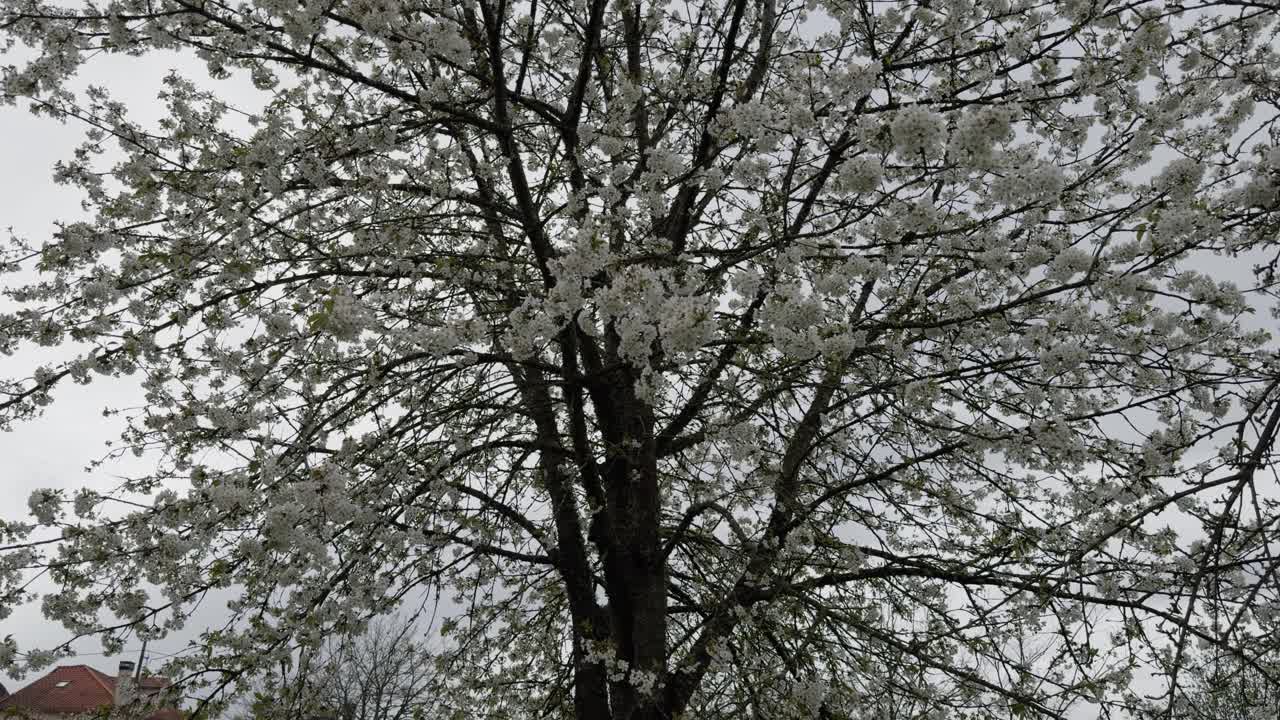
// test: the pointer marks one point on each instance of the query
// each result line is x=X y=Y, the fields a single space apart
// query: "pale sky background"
x=54 y=450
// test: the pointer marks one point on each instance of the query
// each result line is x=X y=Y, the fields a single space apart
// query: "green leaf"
x=315 y=321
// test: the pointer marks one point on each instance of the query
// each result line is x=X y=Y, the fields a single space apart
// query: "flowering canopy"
x=715 y=359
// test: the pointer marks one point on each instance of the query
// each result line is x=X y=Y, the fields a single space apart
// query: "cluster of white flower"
x=1068 y=263
x=282 y=522
x=343 y=316
x=687 y=323
x=603 y=653
x=720 y=653
x=917 y=129
x=747 y=119
x=873 y=133
x=858 y=80
x=810 y=694
x=1261 y=192
x=1145 y=48
x=852 y=557
x=278 y=324
x=1180 y=178
x=45 y=505
x=97 y=293
x=1181 y=222
x=229 y=496
x=644 y=681
x=648 y=306
x=664 y=162
x=1266 y=612
x=1271 y=157
x=529 y=326
x=1108 y=587
x=130 y=605
x=746 y=281
x=920 y=216
x=798 y=541
x=588 y=254
x=792 y=318
x=1038 y=183
x=1263 y=188
x=1219 y=295
x=84 y=502
x=1062 y=357
x=1019 y=44
x=636 y=334
x=979 y=131
x=443 y=39
x=439 y=341
x=861 y=174
x=224 y=418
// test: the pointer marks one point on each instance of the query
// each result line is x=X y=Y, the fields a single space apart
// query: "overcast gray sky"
x=54 y=450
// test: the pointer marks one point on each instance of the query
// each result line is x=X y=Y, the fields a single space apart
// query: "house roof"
x=76 y=689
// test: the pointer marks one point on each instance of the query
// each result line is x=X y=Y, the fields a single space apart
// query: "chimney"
x=124 y=683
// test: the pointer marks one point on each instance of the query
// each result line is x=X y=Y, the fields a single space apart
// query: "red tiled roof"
x=83 y=689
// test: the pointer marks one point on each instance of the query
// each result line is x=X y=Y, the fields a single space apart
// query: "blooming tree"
x=382 y=674
x=1223 y=687
x=715 y=359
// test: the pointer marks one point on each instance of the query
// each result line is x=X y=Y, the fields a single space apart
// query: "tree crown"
x=718 y=359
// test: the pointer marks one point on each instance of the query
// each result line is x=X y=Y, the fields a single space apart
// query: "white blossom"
x=917 y=129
